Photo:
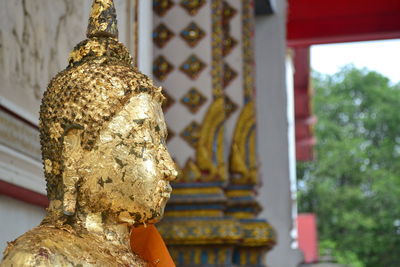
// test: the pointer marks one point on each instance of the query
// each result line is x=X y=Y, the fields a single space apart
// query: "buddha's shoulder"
x=41 y=246
x=50 y=246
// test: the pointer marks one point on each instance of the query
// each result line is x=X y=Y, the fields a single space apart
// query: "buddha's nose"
x=169 y=168
x=174 y=174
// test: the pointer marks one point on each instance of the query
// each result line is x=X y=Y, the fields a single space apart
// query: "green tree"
x=353 y=185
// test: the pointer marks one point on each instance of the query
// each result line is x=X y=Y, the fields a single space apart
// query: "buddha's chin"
x=155 y=219
x=144 y=214
x=158 y=213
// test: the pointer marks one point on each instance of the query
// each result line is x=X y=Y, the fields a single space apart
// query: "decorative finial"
x=102 y=20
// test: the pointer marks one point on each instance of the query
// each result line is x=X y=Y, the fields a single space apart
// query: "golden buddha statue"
x=106 y=164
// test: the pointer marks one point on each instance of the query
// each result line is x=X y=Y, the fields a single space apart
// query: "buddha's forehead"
x=141 y=109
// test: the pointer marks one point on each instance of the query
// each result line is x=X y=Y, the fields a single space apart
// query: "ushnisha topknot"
x=102 y=20
x=99 y=80
x=102 y=34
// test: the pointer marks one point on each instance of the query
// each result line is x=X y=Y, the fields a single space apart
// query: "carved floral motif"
x=161 y=68
x=192 y=6
x=230 y=106
x=228 y=12
x=161 y=35
x=192 y=67
x=229 y=74
x=228 y=45
x=191 y=133
x=193 y=100
x=161 y=7
x=192 y=34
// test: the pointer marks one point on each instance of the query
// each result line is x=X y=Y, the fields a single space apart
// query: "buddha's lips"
x=166 y=195
x=164 y=188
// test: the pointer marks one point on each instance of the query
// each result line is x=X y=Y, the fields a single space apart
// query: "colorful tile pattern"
x=192 y=67
x=229 y=74
x=191 y=134
x=161 y=7
x=193 y=100
x=168 y=101
x=161 y=68
x=161 y=35
x=192 y=34
x=192 y=6
x=228 y=45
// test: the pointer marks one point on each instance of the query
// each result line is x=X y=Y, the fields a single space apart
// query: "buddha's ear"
x=72 y=153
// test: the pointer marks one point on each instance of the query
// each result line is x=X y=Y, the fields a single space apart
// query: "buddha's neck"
x=110 y=228
x=105 y=227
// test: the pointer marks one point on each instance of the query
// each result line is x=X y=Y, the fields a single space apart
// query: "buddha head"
x=103 y=133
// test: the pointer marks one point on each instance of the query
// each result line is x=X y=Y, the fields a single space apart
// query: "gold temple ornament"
x=105 y=160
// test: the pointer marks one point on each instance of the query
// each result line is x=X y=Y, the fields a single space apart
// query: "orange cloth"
x=149 y=245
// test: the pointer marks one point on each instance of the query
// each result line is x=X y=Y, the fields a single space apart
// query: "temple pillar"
x=189 y=64
x=258 y=235
x=204 y=60
x=276 y=146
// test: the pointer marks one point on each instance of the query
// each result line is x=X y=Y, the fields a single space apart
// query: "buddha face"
x=129 y=169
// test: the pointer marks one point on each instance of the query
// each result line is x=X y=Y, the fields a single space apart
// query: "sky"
x=380 y=56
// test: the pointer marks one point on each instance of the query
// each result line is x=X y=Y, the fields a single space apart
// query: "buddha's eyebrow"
x=158 y=127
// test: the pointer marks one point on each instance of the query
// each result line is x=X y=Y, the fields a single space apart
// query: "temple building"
x=235 y=76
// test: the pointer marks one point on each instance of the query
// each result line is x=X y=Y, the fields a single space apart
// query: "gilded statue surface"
x=105 y=160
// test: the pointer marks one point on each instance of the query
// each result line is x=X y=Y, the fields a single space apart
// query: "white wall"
x=276 y=157
x=16 y=217
x=145 y=56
